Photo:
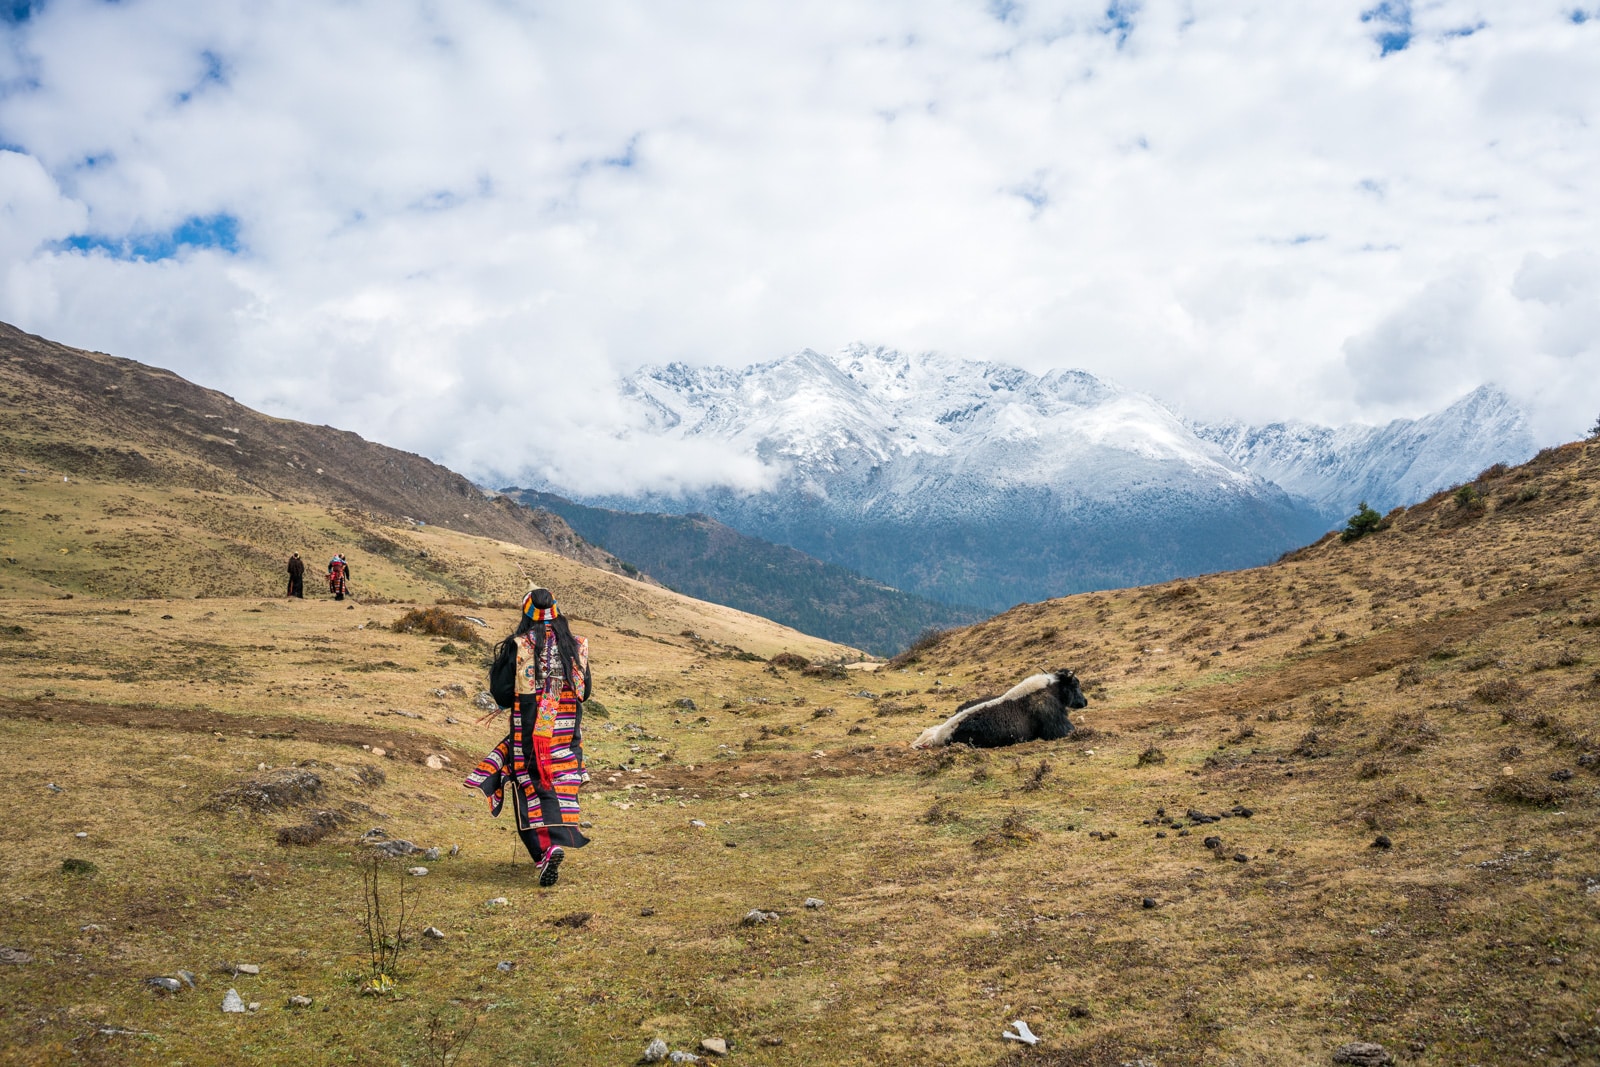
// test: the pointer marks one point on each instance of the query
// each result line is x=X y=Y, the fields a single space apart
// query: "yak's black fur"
x=1035 y=709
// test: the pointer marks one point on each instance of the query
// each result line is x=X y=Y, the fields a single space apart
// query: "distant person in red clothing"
x=338 y=577
x=297 y=576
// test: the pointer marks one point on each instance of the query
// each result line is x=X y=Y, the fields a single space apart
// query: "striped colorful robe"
x=541 y=756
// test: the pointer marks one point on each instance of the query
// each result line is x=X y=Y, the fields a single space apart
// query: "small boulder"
x=233 y=1002
x=246 y=968
x=714 y=1045
x=655 y=1051
x=164 y=985
x=814 y=902
x=1363 y=1054
x=299 y=1002
x=433 y=933
x=416 y=872
x=505 y=966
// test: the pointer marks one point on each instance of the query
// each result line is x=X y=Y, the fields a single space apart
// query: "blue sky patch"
x=212 y=73
x=1391 y=23
x=628 y=157
x=220 y=231
x=1005 y=10
x=16 y=12
x=1119 y=19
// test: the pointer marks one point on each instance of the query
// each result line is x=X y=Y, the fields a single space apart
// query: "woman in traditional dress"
x=541 y=758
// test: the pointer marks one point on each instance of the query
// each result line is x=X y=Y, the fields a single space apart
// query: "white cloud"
x=459 y=222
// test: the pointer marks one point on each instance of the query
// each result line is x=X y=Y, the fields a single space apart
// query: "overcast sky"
x=449 y=225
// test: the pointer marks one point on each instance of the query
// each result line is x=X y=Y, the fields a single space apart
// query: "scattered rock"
x=397 y=848
x=15 y=955
x=683 y=1057
x=485 y=700
x=277 y=791
x=434 y=763
x=697 y=824
x=772 y=1042
x=655 y=1051
x=1362 y=1054
x=246 y=968
x=416 y=872
x=299 y=1002
x=80 y=835
x=505 y=966
x=1381 y=841
x=165 y=985
x=232 y=1002
x=814 y=902
x=645 y=913
x=254 y=1005
x=455 y=850
x=714 y=1045
x=187 y=978
x=432 y=854
x=433 y=933
x=497 y=902
x=755 y=917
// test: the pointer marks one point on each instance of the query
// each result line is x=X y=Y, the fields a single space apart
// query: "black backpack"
x=503 y=673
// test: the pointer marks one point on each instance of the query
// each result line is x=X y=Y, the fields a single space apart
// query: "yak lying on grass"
x=1035 y=709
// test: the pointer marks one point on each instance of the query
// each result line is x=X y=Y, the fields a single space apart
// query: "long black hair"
x=566 y=647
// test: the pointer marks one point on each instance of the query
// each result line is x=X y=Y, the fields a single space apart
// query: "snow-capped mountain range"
x=983 y=484
x=1336 y=468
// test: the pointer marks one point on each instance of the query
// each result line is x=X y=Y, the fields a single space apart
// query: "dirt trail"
x=400 y=744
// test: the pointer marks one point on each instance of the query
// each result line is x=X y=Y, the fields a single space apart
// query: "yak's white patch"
x=934 y=736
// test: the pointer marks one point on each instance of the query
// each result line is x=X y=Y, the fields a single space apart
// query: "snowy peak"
x=1336 y=468
x=871 y=409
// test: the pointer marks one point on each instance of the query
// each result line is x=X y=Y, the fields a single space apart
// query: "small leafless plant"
x=443 y=1043
x=383 y=945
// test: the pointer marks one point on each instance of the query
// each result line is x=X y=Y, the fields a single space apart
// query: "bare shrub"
x=1407 y=734
x=1519 y=789
x=1013 y=831
x=790 y=661
x=314 y=829
x=1151 y=757
x=1501 y=691
x=1036 y=779
x=437 y=622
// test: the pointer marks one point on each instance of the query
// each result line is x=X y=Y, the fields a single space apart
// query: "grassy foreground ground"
x=1389 y=744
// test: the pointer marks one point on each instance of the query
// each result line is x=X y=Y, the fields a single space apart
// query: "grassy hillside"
x=1433 y=685
x=88 y=415
x=707 y=559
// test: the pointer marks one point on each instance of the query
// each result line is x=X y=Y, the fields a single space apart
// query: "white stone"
x=417 y=872
x=247 y=968
x=655 y=1051
x=433 y=933
x=232 y=1002
x=813 y=902
x=497 y=902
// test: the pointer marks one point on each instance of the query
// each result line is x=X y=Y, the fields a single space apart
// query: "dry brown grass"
x=962 y=889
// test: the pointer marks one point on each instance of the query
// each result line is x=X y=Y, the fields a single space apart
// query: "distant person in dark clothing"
x=297 y=576
x=338 y=577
